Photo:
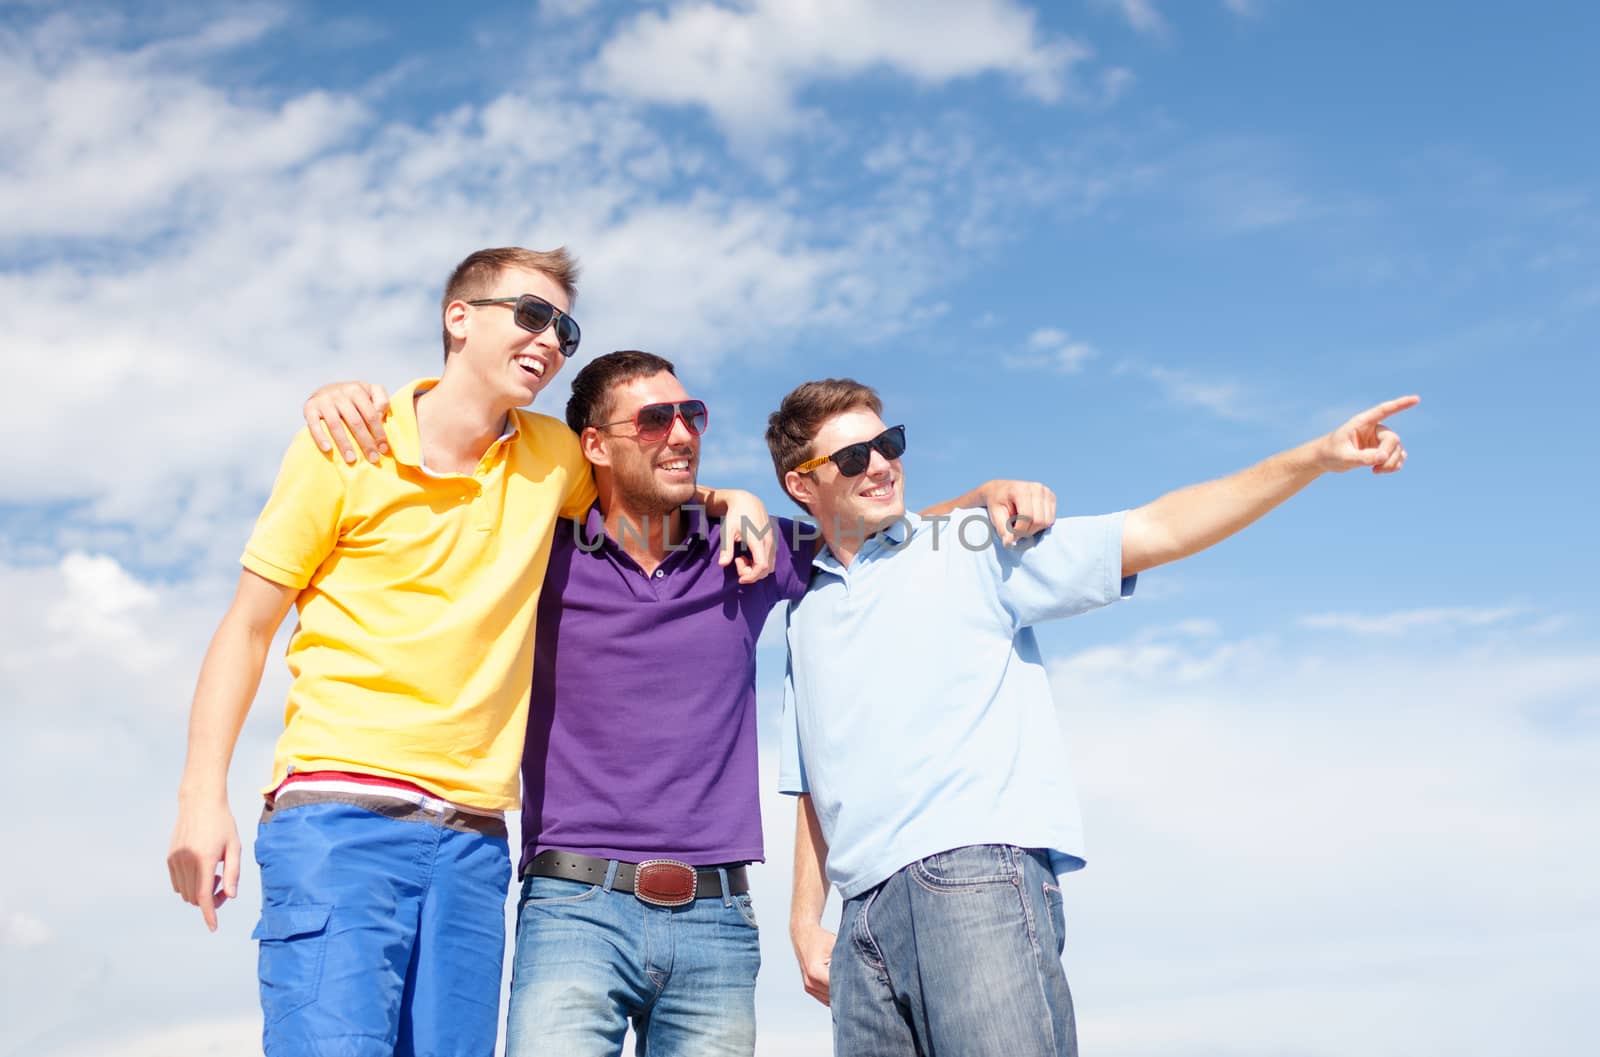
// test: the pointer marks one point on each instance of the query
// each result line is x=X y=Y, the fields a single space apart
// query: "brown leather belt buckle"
x=664 y=882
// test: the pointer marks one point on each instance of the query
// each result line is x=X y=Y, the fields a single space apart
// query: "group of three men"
x=434 y=581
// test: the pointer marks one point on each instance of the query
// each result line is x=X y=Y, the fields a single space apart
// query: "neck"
x=645 y=536
x=846 y=538
x=456 y=426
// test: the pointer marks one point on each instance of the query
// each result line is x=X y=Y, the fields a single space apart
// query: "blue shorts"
x=382 y=933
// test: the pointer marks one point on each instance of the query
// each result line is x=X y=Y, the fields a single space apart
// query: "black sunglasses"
x=654 y=421
x=535 y=313
x=853 y=459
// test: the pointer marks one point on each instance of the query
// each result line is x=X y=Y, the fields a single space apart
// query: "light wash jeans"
x=590 y=960
x=956 y=955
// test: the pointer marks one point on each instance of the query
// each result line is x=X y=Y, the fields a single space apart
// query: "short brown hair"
x=590 y=403
x=475 y=277
x=792 y=428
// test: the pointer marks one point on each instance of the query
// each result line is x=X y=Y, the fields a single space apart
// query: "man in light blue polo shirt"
x=919 y=733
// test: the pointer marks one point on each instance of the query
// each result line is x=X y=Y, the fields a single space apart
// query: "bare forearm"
x=228 y=681
x=229 y=678
x=1191 y=519
x=810 y=867
x=715 y=500
x=964 y=501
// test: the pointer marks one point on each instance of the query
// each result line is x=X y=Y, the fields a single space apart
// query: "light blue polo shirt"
x=917 y=711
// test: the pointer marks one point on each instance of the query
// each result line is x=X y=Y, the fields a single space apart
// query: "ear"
x=592 y=443
x=455 y=320
x=802 y=487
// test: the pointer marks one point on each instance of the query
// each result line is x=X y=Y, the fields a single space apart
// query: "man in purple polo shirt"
x=640 y=791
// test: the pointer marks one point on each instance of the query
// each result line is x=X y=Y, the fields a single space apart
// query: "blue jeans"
x=956 y=954
x=380 y=937
x=589 y=960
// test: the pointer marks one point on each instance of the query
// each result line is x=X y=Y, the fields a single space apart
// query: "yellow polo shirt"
x=414 y=652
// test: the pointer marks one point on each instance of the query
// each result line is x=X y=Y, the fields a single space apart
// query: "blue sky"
x=1332 y=770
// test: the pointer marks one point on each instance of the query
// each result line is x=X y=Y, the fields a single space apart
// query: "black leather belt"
x=659 y=882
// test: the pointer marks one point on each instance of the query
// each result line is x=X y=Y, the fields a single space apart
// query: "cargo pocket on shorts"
x=294 y=941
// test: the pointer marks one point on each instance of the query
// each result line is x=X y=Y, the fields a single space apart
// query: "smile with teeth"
x=530 y=364
x=676 y=465
x=880 y=492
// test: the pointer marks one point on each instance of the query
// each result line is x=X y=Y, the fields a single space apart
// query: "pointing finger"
x=1384 y=410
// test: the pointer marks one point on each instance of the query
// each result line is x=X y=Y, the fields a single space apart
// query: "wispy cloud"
x=746 y=64
x=21 y=929
x=1221 y=397
x=1140 y=14
x=249 y=244
x=1053 y=349
x=1323 y=801
x=1144 y=16
x=1413 y=619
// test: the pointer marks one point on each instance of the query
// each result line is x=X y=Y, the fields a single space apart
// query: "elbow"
x=1146 y=543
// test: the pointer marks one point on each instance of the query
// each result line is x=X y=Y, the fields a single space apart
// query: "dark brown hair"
x=590 y=403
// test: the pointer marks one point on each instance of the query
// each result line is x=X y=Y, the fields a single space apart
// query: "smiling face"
x=510 y=364
x=848 y=507
x=647 y=477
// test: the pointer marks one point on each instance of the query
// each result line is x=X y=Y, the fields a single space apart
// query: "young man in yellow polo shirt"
x=383 y=853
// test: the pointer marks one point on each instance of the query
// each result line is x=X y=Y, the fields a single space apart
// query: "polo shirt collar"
x=400 y=424
x=699 y=524
x=892 y=537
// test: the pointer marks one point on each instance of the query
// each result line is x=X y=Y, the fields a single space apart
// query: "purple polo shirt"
x=642 y=729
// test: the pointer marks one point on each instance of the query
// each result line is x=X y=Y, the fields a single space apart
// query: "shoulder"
x=544 y=427
x=303 y=460
x=546 y=436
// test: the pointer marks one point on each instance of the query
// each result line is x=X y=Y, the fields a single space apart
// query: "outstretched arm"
x=1191 y=519
x=813 y=944
x=205 y=834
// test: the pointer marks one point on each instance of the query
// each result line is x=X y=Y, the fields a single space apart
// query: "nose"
x=546 y=339
x=877 y=465
x=679 y=435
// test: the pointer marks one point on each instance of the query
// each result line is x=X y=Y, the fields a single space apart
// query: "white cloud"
x=112 y=142
x=21 y=929
x=1223 y=398
x=1277 y=834
x=303 y=240
x=567 y=8
x=1412 y=619
x=1055 y=349
x=1145 y=17
x=232 y=1037
x=1140 y=14
x=746 y=63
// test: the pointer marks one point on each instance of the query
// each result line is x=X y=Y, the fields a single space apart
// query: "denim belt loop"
x=727 y=889
x=611 y=874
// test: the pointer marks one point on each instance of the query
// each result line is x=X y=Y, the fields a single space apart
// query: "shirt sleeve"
x=581 y=491
x=1070 y=568
x=299 y=526
x=796 y=549
x=791 y=765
